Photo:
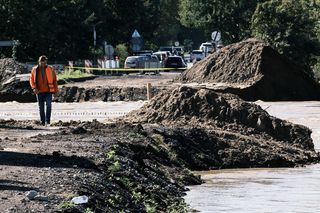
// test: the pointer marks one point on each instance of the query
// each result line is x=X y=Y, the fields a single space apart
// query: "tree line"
x=63 y=30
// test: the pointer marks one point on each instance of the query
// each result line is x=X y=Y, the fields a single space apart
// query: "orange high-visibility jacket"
x=44 y=84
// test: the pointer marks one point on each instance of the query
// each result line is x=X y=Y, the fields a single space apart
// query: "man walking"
x=43 y=81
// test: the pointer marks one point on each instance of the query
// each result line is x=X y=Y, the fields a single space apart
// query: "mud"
x=102 y=88
x=254 y=71
x=142 y=162
x=235 y=133
x=76 y=94
x=22 y=93
x=119 y=166
x=9 y=68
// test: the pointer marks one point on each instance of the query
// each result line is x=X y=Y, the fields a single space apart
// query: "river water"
x=84 y=111
x=265 y=190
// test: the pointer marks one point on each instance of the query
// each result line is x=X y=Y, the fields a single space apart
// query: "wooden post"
x=149 y=92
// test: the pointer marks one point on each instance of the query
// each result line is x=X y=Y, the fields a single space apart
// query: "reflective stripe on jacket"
x=47 y=84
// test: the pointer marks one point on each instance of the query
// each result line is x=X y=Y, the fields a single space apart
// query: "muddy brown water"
x=245 y=190
x=265 y=190
x=85 y=111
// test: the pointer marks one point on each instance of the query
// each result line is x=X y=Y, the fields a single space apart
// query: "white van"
x=196 y=55
x=162 y=56
x=207 y=47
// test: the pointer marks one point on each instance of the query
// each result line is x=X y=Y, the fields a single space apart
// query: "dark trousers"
x=45 y=115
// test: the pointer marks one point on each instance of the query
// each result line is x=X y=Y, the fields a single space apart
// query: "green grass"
x=66 y=205
x=70 y=73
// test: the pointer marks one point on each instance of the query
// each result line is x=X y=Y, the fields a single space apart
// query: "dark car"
x=173 y=50
x=175 y=62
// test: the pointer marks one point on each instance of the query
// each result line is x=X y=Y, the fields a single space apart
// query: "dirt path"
x=47 y=166
x=52 y=167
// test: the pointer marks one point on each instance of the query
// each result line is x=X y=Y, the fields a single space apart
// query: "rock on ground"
x=253 y=70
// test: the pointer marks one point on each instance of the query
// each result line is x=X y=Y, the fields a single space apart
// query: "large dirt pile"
x=11 y=88
x=238 y=130
x=253 y=70
x=9 y=68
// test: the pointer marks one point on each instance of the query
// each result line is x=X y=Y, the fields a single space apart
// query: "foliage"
x=122 y=53
x=290 y=27
x=71 y=73
x=231 y=17
x=88 y=210
x=63 y=30
x=96 y=51
x=66 y=205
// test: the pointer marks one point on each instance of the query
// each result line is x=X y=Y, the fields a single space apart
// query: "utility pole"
x=94 y=36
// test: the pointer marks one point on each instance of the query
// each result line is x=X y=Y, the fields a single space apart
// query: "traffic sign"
x=136 y=41
x=136 y=34
x=216 y=36
x=109 y=50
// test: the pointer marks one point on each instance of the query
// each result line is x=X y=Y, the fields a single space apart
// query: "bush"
x=290 y=27
x=122 y=52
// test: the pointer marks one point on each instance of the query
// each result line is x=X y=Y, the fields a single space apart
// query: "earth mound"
x=13 y=85
x=9 y=68
x=253 y=70
x=237 y=129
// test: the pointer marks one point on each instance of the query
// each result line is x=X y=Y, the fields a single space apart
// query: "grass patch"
x=71 y=73
x=66 y=205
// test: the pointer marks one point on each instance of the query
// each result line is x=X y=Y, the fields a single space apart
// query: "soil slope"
x=240 y=134
x=253 y=70
x=9 y=68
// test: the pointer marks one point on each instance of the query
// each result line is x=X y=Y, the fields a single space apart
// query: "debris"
x=78 y=130
x=31 y=194
x=80 y=199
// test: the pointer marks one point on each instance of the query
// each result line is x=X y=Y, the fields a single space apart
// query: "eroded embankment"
x=141 y=163
x=120 y=167
x=76 y=94
x=22 y=93
x=234 y=132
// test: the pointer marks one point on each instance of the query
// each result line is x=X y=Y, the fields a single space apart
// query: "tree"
x=63 y=30
x=231 y=17
x=290 y=27
x=122 y=52
x=167 y=22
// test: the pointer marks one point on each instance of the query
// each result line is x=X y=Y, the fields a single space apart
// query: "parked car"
x=162 y=56
x=132 y=61
x=143 y=61
x=196 y=55
x=173 y=50
x=144 y=52
x=175 y=62
x=207 y=47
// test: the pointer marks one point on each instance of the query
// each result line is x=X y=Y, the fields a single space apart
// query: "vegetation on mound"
x=138 y=171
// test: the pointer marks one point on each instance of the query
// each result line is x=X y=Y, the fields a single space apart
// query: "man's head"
x=43 y=60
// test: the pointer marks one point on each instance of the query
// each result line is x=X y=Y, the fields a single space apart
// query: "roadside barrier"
x=88 y=65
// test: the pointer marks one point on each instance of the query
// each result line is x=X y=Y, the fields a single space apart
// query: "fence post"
x=149 y=92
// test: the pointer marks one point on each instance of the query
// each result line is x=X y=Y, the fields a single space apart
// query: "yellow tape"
x=124 y=69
